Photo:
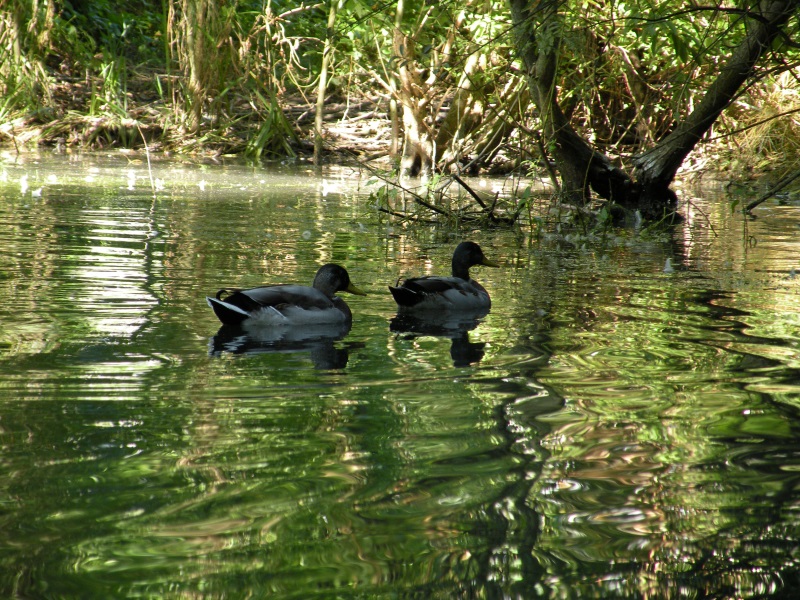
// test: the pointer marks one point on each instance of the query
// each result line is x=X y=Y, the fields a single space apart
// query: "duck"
x=456 y=293
x=289 y=305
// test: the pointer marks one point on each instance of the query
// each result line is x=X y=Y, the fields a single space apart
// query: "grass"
x=766 y=125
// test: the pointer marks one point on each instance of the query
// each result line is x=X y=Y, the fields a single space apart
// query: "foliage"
x=125 y=28
x=631 y=70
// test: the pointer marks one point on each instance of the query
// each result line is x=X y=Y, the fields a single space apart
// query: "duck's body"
x=456 y=293
x=422 y=294
x=288 y=305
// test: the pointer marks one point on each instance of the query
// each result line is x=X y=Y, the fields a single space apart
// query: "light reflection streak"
x=114 y=277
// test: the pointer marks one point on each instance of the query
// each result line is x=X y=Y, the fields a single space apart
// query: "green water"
x=609 y=430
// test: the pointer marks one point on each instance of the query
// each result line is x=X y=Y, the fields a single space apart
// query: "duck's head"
x=332 y=278
x=469 y=254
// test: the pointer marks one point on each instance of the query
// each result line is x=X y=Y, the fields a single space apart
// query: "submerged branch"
x=405 y=217
x=778 y=187
x=487 y=210
x=469 y=190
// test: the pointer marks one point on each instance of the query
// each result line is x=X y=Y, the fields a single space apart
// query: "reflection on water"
x=454 y=326
x=608 y=430
x=318 y=340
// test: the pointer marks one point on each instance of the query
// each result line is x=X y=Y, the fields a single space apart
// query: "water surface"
x=608 y=430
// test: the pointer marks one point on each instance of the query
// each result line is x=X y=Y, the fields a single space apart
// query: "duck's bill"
x=354 y=290
x=489 y=263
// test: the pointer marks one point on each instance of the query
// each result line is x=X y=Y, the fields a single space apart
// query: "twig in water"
x=404 y=216
x=147 y=154
x=705 y=216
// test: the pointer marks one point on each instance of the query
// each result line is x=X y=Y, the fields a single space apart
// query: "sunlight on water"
x=612 y=428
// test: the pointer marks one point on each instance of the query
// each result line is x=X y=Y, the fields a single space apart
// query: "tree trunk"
x=417 y=158
x=412 y=92
x=394 y=144
x=656 y=168
x=508 y=114
x=323 y=81
x=580 y=166
x=461 y=119
x=539 y=58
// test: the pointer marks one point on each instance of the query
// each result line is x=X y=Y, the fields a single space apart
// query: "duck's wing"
x=277 y=296
x=435 y=285
x=415 y=290
x=241 y=304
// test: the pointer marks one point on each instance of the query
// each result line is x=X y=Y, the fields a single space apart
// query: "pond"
x=619 y=425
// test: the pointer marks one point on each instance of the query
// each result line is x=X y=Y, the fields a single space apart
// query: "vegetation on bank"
x=455 y=86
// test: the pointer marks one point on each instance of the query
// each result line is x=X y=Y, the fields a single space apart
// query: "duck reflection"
x=454 y=326
x=318 y=340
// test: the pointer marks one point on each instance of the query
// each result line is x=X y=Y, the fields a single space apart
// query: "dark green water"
x=609 y=430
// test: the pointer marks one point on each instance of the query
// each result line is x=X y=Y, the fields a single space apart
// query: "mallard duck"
x=276 y=305
x=458 y=292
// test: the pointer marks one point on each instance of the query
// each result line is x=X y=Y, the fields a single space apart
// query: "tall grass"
x=201 y=44
x=232 y=59
x=267 y=56
x=24 y=84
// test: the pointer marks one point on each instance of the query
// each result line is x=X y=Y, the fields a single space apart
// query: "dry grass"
x=767 y=123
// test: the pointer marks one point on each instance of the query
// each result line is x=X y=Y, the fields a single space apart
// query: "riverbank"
x=78 y=116
x=75 y=118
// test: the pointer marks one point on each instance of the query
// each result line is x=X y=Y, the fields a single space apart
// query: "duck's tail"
x=228 y=313
x=405 y=296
